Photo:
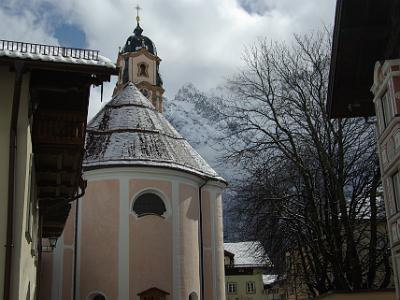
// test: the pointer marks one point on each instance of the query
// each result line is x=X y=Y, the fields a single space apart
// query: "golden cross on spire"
x=138 y=8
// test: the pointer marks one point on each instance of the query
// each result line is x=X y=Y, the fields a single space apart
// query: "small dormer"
x=229 y=258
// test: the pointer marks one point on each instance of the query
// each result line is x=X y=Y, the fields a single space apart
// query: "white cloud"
x=24 y=26
x=200 y=41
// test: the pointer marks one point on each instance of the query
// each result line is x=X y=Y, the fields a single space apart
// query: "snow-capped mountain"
x=195 y=115
x=192 y=113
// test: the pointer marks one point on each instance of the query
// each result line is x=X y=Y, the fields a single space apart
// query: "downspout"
x=12 y=179
x=83 y=185
x=201 y=241
x=74 y=291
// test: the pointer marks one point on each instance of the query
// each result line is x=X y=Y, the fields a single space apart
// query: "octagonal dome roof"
x=129 y=131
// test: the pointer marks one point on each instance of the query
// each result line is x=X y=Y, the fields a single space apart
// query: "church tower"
x=149 y=225
x=138 y=63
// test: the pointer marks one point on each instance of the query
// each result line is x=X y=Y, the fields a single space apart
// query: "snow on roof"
x=269 y=278
x=22 y=50
x=129 y=131
x=248 y=253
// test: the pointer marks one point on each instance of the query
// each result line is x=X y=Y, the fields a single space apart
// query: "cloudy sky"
x=199 y=41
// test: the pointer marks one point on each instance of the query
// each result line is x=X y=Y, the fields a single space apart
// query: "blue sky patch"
x=70 y=35
x=259 y=7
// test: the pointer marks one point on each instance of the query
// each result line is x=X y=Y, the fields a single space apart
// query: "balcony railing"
x=42 y=49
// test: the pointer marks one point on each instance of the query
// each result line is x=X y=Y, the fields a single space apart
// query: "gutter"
x=19 y=66
x=201 y=241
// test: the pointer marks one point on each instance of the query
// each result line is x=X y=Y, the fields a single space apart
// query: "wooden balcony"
x=55 y=127
x=59 y=137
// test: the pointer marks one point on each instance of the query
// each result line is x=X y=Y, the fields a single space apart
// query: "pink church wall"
x=68 y=232
x=189 y=217
x=137 y=185
x=150 y=244
x=46 y=275
x=208 y=275
x=99 y=239
x=67 y=274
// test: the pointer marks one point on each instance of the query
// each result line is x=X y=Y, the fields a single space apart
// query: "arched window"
x=149 y=204
x=153 y=294
x=96 y=296
x=193 y=296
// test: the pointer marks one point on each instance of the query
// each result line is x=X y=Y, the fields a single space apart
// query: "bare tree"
x=311 y=183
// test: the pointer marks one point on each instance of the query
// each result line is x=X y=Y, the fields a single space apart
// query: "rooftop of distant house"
x=248 y=254
x=269 y=279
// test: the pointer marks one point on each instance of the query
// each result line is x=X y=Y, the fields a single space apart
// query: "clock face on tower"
x=145 y=93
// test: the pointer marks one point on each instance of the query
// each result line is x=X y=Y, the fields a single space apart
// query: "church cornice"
x=139 y=52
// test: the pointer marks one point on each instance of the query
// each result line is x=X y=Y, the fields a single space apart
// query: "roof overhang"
x=59 y=97
x=365 y=31
x=99 y=73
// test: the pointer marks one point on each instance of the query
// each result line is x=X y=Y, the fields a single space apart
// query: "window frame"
x=143 y=72
x=30 y=203
x=251 y=284
x=234 y=289
x=395 y=181
x=387 y=109
x=158 y=193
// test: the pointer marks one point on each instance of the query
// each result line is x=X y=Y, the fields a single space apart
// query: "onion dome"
x=129 y=131
x=138 y=41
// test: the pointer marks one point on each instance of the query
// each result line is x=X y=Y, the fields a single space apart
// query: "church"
x=149 y=225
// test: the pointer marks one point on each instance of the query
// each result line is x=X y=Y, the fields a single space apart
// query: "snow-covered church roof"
x=129 y=131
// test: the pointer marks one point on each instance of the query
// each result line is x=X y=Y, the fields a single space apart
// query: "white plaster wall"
x=6 y=96
x=24 y=263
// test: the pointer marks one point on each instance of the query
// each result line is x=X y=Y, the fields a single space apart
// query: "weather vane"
x=138 y=8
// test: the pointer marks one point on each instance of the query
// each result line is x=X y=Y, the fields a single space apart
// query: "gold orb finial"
x=138 y=8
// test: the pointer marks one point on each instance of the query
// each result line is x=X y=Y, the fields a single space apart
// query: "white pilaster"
x=213 y=208
x=176 y=243
x=123 y=240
